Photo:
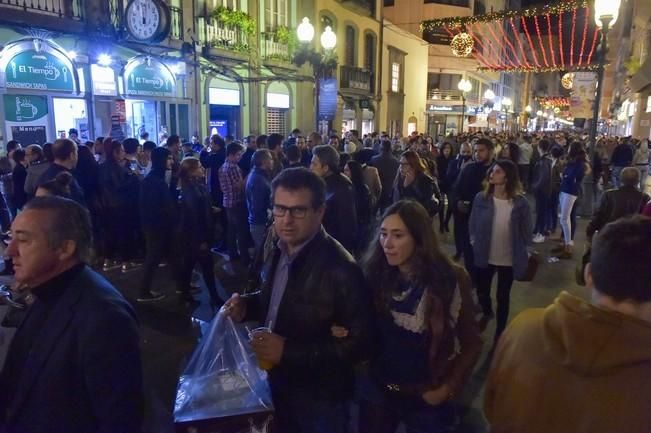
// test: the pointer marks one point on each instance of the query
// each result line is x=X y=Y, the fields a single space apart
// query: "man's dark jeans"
x=298 y=412
x=543 y=224
x=238 y=233
x=157 y=244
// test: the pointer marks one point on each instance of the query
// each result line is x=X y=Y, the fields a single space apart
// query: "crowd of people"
x=351 y=281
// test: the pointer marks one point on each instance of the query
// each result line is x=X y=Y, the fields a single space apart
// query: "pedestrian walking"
x=414 y=182
x=428 y=340
x=570 y=189
x=445 y=158
x=258 y=196
x=500 y=230
x=387 y=166
x=542 y=189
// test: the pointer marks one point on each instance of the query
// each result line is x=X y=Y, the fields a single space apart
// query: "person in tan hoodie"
x=578 y=366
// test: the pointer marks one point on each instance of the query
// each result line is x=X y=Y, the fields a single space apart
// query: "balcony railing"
x=71 y=9
x=215 y=34
x=176 y=25
x=356 y=79
x=273 y=50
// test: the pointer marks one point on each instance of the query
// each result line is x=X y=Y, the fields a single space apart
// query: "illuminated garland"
x=589 y=68
x=559 y=8
x=553 y=101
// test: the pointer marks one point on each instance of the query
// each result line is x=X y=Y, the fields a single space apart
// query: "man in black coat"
x=468 y=184
x=74 y=364
x=309 y=283
x=340 y=219
x=158 y=216
x=65 y=159
x=212 y=159
x=387 y=166
x=618 y=203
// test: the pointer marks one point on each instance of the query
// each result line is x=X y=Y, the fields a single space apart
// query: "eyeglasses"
x=297 y=212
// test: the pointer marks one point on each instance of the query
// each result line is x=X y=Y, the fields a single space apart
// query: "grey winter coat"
x=481 y=225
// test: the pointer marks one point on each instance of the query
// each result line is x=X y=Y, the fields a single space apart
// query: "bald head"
x=630 y=176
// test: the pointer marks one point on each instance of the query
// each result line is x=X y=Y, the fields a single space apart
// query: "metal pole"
x=600 y=77
x=463 y=110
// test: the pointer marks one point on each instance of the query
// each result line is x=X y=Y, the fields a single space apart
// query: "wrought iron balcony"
x=176 y=25
x=213 y=34
x=72 y=9
x=356 y=79
x=274 y=50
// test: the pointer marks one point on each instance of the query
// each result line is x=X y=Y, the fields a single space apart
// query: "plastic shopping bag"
x=222 y=378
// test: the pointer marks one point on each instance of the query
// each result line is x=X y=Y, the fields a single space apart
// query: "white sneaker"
x=538 y=239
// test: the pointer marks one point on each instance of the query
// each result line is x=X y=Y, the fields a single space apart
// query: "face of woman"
x=447 y=151
x=497 y=176
x=506 y=152
x=347 y=171
x=396 y=241
x=405 y=167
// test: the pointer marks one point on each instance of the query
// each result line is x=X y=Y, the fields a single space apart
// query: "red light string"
x=542 y=46
x=572 y=43
x=502 y=47
x=549 y=34
x=533 y=49
x=594 y=44
x=585 y=34
x=479 y=43
x=560 y=38
x=516 y=33
x=508 y=42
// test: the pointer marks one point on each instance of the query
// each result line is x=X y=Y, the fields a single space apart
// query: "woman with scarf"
x=428 y=339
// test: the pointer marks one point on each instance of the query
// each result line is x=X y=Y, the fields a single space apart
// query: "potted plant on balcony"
x=236 y=19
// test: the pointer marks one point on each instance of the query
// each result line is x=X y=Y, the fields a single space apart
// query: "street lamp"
x=489 y=94
x=322 y=64
x=605 y=15
x=465 y=86
x=506 y=103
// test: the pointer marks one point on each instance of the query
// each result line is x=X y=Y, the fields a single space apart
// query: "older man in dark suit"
x=74 y=364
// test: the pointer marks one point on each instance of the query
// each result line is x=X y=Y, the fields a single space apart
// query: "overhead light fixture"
x=305 y=31
x=72 y=54
x=104 y=60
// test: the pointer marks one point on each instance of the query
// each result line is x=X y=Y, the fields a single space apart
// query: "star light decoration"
x=567 y=81
x=462 y=45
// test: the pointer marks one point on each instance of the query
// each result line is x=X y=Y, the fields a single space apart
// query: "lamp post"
x=506 y=103
x=605 y=15
x=465 y=86
x=527 y=110
x=489 y=96
x=320 y=63
x=539 y=114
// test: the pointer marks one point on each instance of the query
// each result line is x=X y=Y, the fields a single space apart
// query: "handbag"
x=532 y=268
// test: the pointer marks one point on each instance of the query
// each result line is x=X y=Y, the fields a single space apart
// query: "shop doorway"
x=70 y=113
x=224 y=120
x=141 y=118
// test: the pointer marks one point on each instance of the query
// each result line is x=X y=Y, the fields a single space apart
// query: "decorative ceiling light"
x=568 y=81
x=462 y=45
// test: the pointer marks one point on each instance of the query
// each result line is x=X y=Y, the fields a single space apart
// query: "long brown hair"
x=432 y=268
x=513 y=186
x=188 y=166
x=416 y=162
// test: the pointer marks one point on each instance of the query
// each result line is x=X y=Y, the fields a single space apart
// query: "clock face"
x=143 y=19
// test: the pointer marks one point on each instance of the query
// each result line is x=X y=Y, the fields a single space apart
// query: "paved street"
x=169 y=334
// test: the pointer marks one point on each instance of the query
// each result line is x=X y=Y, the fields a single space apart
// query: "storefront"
x=277 y=102
x=225 y=102
x=43 y=92
x=443 y=119
x=153 y=102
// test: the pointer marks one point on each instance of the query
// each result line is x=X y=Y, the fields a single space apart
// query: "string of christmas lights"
x=542 y=46
x=549 y=35
x=553 y=101
x=585 y=34
x=586 y=68
x=555 y=9
x=560 y=38
x=533 y=49
x=515 y=32
x=594 y=44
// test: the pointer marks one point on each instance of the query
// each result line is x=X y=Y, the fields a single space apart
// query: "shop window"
x=350 y=46
x=395 y=77
x=277 y=121
x=275 y=14
x=70 y=113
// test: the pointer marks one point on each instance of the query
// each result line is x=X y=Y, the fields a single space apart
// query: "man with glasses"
x=309 y=283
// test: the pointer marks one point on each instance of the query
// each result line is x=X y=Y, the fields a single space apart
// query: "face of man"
x=482 y=153
x=318 y=167
x=268 y=165
x=295 y=220
x=35 y=262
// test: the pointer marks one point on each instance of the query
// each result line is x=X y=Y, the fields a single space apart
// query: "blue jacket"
x=572 y=177
x=258 y=196
x=481 y=228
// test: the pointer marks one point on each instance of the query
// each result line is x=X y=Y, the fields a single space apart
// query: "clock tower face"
x=143 y=19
